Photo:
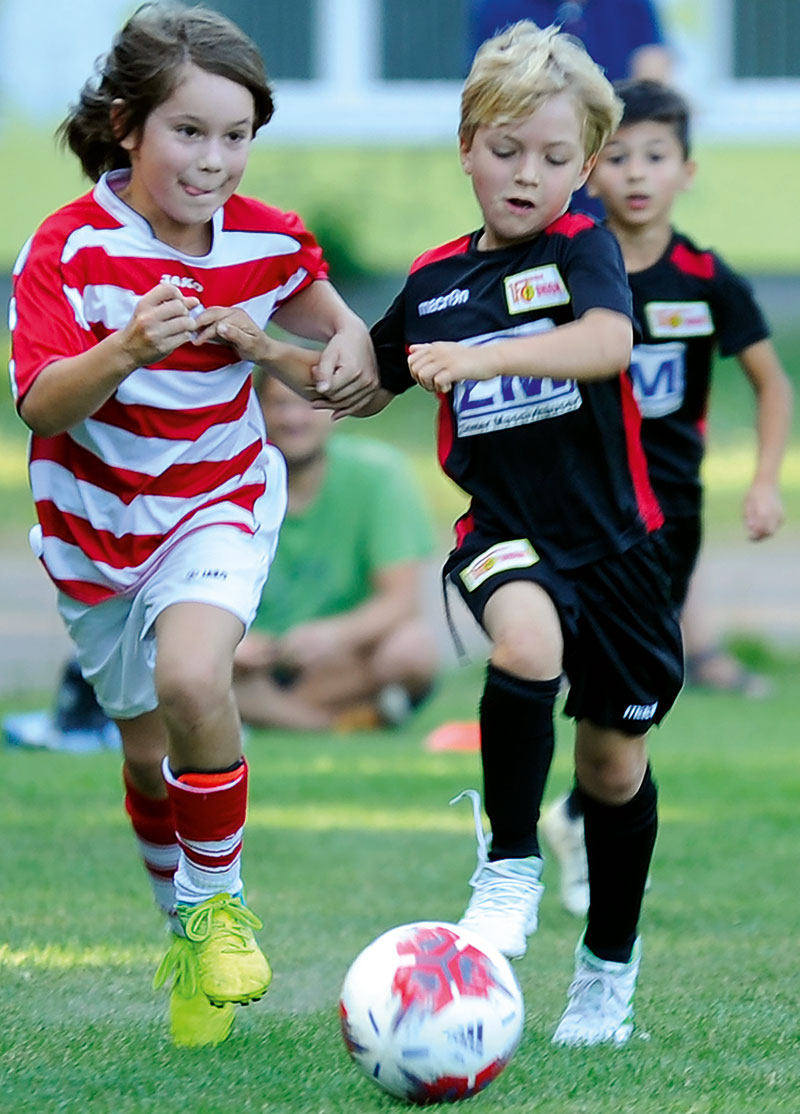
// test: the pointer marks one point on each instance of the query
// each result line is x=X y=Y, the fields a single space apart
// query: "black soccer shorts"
x=623 y=653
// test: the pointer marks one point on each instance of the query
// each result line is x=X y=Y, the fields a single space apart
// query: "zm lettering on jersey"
x=516 y=554
x=444 y=301
x=507 y=401
x=535 y=289
x=640 y=711
x=658 y=373
x=679 y=319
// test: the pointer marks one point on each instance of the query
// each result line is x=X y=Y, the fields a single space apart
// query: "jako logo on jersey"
x=535 y=289
x=182 y=281
x=640 y=711
x=444 y=301
x=679 y=319
x=658 y=373
x=517 y=554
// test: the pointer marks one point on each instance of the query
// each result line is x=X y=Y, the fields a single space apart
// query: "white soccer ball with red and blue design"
x=431 y=1012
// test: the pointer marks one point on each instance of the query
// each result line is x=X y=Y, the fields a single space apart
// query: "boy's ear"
x=689 y=171
x=588 y=167
x=465 y=154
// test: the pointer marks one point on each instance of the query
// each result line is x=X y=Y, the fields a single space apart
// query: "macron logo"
x=640 y=711
x=444 y=301
x=182 y=281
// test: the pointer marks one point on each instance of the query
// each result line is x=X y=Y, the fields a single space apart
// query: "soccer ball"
x=431 y=1012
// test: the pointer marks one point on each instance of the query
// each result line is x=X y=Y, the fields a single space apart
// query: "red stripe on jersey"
x=570 y=224
x=84 y=591
x=184 y=480
x=699 y=264
x=172 y=425
x=464 y=527
x=649 y=508
x=444 y=251
x=445 y=433
x=127 y=550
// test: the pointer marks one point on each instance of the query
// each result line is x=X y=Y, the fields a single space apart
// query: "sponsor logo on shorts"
x=444 y=301
x=182 y=281
x=679 y=319
x=640 y=711
x=516 y=554
x=536 y=288
x=207 y=574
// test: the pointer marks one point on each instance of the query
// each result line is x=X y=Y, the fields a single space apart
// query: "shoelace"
x=238 y=930
x=180 y=960
x=483 y=849
x=591 y=992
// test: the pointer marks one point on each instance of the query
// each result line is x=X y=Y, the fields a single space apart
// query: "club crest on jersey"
x=516 y=554
x=535 y=289
x=679 y=319
x=658 y=374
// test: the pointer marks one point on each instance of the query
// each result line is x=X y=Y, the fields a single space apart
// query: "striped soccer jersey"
x=180 y=444
x=558 y=462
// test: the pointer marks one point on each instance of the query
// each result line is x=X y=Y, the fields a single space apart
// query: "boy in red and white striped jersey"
x=137 y=315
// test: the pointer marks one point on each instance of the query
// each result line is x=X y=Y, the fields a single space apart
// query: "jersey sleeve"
x=309 y=257
x=738 y=320
x=389 y=339
x=44 y=312
x=596 y=273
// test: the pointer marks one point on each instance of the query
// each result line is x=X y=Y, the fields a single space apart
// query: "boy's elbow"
x=615 y=343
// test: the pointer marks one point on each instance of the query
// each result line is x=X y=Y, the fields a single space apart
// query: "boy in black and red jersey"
x=523 y=328
x=689 y=305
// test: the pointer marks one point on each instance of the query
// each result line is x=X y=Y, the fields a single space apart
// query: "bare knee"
x=525 y=630
x=190 y=692
x=609 y=766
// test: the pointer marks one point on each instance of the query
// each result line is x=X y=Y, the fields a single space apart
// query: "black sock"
x=619 y=846
x=517 y=738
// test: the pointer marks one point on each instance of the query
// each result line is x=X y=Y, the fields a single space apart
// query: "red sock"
x=154 y=828
x=209 y=811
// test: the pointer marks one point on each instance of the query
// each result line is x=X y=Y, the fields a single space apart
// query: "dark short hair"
x=142 y=70
x=650 y=100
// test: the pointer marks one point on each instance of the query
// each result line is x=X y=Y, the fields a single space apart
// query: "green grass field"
x=350 y=835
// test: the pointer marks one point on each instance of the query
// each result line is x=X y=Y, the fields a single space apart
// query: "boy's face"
x=638 y=174
x=525 y=172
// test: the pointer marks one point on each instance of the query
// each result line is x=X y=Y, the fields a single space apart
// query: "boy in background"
x=690 y=305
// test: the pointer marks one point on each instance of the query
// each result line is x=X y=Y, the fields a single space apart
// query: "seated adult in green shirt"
x=339 y=639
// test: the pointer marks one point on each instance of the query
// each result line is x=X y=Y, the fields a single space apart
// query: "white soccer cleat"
x=504 y=907
x=564 y=836
x=600 y=1006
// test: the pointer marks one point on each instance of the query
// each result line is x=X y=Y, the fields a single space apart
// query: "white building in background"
x=370 y=71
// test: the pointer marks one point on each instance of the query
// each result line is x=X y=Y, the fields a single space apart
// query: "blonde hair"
x=517 y=70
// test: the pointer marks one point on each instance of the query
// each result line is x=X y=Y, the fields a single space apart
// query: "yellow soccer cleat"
x=194 y=1022
x=230 y=965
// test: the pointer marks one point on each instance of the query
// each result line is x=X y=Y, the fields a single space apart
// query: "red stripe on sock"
x=151 y=817
x=203 y=817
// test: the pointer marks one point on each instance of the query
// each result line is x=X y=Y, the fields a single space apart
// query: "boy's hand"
x=161 y=322
x=762 y=511
x=439 y=365
x=346 y=374
x=231 y=325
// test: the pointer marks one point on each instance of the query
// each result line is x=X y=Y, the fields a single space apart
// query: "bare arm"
x=69 y=390
x=597 y=346
x=763 y=509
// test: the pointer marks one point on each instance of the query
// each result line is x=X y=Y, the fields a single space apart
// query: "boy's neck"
x=642 y=247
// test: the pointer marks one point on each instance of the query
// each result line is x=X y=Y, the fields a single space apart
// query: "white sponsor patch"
x=506 y=401
x=658 y=373
x=517 y=554
x=679 y=319
x=535 y=289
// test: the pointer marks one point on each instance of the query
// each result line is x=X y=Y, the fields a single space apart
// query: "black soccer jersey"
x=555 y=461
x=687 y=304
